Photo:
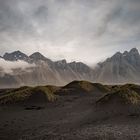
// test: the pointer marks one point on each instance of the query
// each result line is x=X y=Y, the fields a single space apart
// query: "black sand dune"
x=77 y=111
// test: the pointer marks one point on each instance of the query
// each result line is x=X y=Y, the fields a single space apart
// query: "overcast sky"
x=82 y=30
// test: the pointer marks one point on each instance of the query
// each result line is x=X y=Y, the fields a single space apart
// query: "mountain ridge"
x=120 y=68
x=45 y=71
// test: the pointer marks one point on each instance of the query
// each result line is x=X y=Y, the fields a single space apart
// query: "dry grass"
x=125 y=95
x=23 y=93
x=87 y=86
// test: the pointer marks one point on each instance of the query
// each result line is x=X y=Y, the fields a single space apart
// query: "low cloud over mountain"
x=37 y=69
x=9 y=66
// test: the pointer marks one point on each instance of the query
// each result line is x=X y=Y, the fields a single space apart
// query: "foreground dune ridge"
x=128 y=92
x=80 y=110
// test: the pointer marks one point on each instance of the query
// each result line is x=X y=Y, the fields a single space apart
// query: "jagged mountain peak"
x=14 y=56
x=116 y=57
x=63 y=61
x=125 y=53
x=120 y=68
x=133 y=57
x=118 y=54
x=134 y=51
x=16 y=53
x=132 y=54
x=37 y=56
x=61 y=64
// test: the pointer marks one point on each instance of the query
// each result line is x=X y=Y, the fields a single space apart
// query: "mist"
x=8 y=67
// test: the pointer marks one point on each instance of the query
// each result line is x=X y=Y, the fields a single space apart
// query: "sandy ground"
x=72 y=117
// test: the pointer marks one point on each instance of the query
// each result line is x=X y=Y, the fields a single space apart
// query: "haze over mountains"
x=37 y=69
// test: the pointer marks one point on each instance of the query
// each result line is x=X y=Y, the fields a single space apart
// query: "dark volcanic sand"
x=72 y=117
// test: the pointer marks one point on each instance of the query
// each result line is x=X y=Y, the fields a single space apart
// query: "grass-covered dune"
x=128 y=93
x=84 y=87
x=50 y=93
x=31 y=94
x=123 y=100
x=124 y=96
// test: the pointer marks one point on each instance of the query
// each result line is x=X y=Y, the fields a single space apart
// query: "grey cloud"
x=68 y=28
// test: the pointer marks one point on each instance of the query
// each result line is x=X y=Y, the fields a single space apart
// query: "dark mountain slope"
x=120 y=68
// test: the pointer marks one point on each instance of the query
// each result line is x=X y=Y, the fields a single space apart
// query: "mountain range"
x=118 y=69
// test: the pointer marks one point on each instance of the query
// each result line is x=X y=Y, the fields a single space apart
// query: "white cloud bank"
x=9 y=67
